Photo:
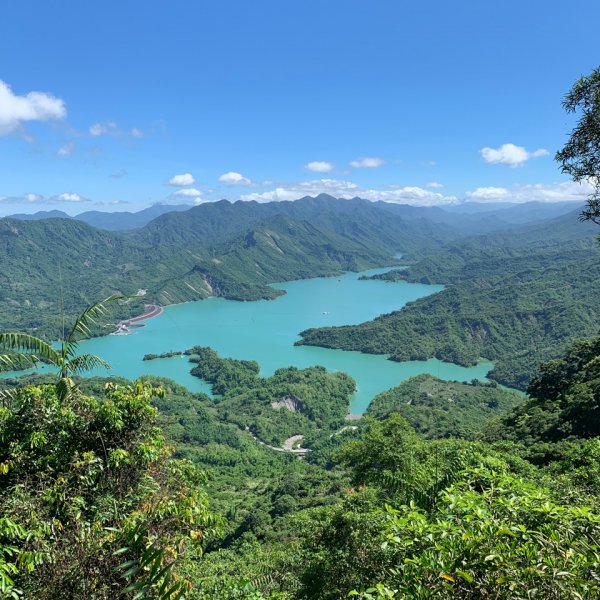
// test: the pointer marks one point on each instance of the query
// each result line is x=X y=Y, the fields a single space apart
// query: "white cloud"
x=67 y=197
x=538 y=192
x=35 y=106
x=319 y=166
x=182 y=179
x=118 y=174
x=413 y=195
x=188 y=193
x=67 y=149
x=511 y=155
x=98 y=129
x=111 y=128
x=112 y=203
x=367 y=162
x=488 y=194
x=233 y=178
x=435 y=185
x=348 y=189
x=31 y=198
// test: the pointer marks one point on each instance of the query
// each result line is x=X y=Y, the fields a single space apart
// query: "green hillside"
x=438 y=409
x=51 y=268
x=516 y=299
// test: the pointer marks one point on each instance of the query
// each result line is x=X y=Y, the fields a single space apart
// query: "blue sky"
x=104 y=103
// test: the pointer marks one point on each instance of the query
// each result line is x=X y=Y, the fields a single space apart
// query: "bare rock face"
x=290 y=402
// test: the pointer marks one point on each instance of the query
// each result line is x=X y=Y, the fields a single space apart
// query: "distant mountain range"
x=111 y=221
x=467 y=216
x=55 y=266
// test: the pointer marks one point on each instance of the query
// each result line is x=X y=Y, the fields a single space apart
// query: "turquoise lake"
x=266 y=330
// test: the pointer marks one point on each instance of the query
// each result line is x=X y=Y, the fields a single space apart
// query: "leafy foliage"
x=23 y=348
x=399 y=516
x=492 y=535
x=564 y=404
x=97 y=506
x=580 y=157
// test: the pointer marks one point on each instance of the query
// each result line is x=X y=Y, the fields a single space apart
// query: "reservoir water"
x=266 y=330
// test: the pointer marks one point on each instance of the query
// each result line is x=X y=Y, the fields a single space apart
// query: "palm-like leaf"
x=85 y=362
x=82 y=325
x=8 y=396
x=21 y=349
x=18 y=361
x=22 y=346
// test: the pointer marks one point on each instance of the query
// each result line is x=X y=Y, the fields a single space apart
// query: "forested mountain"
x=55 y=266
x=535 y=282
x=438 y=409
x=465 y=216
x=216 y=222
x=40 y=215
x=121 y=221
x=59 y=266
x=469 y=218
x=515 y=297
x=514 y=213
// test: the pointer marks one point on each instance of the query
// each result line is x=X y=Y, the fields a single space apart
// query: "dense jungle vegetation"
x=96 y=505
x=444 y=489
x=438 y=409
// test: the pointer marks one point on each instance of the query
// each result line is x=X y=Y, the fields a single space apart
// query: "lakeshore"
x=125 y=327
x=266 y=330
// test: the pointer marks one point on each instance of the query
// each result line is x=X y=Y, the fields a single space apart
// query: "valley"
x=367 y=377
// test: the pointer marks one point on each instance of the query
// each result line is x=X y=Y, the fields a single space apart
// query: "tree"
x=21 y=349
x=580 y=157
